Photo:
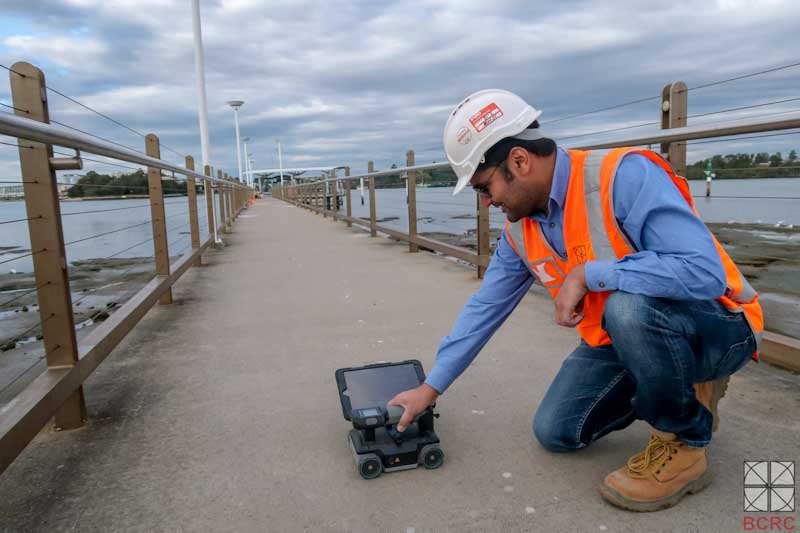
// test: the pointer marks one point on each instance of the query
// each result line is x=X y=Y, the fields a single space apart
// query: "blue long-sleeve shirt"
x=676 y=259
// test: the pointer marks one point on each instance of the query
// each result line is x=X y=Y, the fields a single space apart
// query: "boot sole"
x=693 y=487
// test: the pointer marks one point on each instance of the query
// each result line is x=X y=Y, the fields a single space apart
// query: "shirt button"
x=552 y=224
x=601 y=285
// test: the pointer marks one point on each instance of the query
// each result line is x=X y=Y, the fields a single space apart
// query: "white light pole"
x=236 y=104
x=200 y=81
x=246 y=168
x=280 y=159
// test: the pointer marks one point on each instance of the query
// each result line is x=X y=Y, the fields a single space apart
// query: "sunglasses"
x=482 y=189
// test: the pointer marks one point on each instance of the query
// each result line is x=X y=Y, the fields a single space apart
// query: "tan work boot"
x=659 y=476
x=709 y=394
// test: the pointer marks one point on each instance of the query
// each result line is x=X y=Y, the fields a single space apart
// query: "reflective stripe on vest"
x=603 y=251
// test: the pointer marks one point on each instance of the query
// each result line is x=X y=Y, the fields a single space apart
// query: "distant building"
x=10 y=192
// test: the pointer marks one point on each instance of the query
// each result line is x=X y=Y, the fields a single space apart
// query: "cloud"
x=343 y=82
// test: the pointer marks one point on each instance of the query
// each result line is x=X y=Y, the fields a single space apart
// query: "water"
x=437 y=211
x=15 y=240
x=759 y=205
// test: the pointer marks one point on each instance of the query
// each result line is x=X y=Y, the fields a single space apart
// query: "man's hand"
x=569 y=302
x=413 y=401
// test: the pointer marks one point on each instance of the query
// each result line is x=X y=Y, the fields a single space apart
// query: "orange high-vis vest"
x=591 y=232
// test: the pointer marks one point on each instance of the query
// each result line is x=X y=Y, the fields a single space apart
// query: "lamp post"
x=236 y=104
x=200 y=80
x=247 y=176
x=280 y=160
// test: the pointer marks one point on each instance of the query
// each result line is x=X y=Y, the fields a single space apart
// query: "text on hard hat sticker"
x=485 y=116
x=464 y=136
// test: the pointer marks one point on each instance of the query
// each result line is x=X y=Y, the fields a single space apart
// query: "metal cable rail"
x=651 y=98
x=25 y=128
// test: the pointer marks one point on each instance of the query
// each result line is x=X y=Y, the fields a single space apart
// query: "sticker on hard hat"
x=485 y=116
x=464 y=136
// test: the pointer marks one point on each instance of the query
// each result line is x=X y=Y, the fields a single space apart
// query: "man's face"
x=513 y=186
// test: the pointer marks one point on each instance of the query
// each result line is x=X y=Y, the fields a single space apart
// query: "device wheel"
x=370 y=467
x=432 y=457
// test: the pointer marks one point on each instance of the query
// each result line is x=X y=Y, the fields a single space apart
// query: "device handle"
x=395 y=412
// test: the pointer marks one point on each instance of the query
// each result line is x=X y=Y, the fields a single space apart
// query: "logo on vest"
x=580 y=253
x=541 y=273
x=548 y=272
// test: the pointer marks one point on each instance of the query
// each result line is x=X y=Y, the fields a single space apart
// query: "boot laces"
x=656 y=455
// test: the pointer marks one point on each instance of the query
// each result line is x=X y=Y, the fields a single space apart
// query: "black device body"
x=376 y=444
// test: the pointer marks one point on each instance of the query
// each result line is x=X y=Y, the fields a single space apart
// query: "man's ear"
x=520 y=160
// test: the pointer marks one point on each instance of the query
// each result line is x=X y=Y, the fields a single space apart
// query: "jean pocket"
x=736 y=357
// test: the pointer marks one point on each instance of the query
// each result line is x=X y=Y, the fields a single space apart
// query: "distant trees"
x=95 y=184
x=762 y=157
x=730 y=165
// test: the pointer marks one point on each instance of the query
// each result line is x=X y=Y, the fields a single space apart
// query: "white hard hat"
x=479 y=122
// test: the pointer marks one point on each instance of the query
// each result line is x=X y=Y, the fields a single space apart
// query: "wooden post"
x=231 y=206
x=209 y=191
x=347 y=200
x=484 y=246
x=412 y=202
x=47 y=239
x=157 y=216
x=334 y=196
x=373 y=232
x=220 y=203
x=674 y=109
x=228 y=212
x=193 y=223
x=226 y=202
x=325 y=198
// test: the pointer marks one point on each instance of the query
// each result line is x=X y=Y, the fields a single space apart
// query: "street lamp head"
x=236 y=104
x=245 y=139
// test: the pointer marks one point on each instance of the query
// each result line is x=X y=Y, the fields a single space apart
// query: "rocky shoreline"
x=98 y=286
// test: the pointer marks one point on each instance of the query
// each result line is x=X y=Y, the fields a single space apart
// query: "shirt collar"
x=558 y=189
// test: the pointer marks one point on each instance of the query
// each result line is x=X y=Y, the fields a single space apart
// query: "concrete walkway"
x=220 y=412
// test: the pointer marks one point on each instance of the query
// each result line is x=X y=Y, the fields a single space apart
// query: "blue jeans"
x=659 y=349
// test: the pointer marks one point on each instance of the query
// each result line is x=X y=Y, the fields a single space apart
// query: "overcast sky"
x=345 y=82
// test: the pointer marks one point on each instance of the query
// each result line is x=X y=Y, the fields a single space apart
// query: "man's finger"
x=562 y=315
x=574 y=320
x=405 y=420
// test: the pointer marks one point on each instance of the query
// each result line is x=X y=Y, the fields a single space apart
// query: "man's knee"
x=553 y=434
x=624 y=311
